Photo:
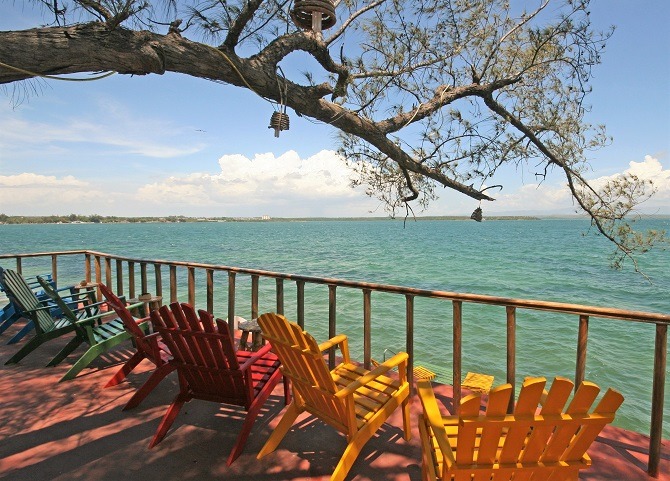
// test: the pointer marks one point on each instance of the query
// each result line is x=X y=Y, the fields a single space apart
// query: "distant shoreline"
x=98 y=219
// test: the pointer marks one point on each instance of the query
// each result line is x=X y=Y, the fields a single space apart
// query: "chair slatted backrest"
x=65 y=308
x=19 y=292
x=537 y=443
x=129 y=322
x=203 y=352
x=304 y=364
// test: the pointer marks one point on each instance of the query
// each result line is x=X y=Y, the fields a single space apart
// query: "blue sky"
x=174 y=145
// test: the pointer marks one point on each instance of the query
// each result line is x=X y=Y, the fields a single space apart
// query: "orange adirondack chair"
x=210 y=369
x=149 y=346
x=547 y=445
x=351 y=399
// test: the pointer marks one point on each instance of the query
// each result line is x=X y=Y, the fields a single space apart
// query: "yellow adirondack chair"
x=530 y=445
x=351 y=399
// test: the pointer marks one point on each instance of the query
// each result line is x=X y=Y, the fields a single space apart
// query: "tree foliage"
x=424 y=93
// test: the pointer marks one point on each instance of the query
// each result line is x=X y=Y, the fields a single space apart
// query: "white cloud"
x=286 y=181
x=556 y=198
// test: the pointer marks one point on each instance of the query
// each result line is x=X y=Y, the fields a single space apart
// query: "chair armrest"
x=383 y=368
x=432 y=414
x=256 y=356
x=335 y=341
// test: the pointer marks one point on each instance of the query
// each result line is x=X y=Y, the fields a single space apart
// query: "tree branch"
x=240 y=22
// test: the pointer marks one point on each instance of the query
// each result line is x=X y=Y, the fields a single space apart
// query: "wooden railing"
x=112 y=270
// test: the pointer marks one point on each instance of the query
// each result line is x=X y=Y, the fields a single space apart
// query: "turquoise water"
x=546 y=259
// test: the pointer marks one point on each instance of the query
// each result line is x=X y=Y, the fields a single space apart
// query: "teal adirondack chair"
x=100 y=336
x=11 y=312
x=47 y=325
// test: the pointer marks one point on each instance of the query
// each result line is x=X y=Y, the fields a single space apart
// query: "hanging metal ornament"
x=477 y=214
x=315 y=15
x=279 y=122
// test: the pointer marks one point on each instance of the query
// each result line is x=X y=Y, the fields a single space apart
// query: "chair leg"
x=406 y=423
x=66 y=351
x=22 y=333
x=8 y=320
x=82 y=362
x=351 y=452
x=28 y=347
x=280 y=431
x=150 y=384
x=252 y=414
x=126 y=369
x=169 y=418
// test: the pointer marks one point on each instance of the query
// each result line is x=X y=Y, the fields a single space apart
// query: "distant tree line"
x=95 y=219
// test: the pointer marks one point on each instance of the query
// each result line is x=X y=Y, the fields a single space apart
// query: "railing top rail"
x=551 y=306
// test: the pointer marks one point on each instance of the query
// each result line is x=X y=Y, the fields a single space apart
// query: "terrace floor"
x=76 y=431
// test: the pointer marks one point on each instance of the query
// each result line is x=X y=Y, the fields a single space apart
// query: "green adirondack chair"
x=100 y=336
x=47 y=325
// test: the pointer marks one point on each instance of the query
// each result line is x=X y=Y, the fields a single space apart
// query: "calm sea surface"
x=544 y=259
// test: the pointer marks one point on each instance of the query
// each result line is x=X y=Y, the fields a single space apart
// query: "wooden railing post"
x=191 y=286
x=582 y=340
x=87 y=267
x=332 y=321
x=511 y=352
x=280 y=296
x=300 y=305
x=131 y=279
x=254 y=296
x=119 y=277
x=457 y=342
x=657 y=399
x=231 y=302
x=54 y=268
x=210 y=290
x=367 y=328
x=409 y=339
x=174 y=293
x=159 y=280
x=143 y=278
x=108 y=271
x=98 y=275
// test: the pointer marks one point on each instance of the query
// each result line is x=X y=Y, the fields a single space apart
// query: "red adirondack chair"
x=210 y=369
x=149 y=346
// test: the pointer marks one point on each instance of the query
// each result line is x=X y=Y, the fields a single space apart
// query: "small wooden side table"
x=150 y=303
x=250 y=327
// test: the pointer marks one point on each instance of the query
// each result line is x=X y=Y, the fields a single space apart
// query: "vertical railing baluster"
x=409 y=339
x=87 y=267
x=582 y=340
x=280 y=296
x=54 y=269
x=19 y=266
x=231 y=302
x=657 y=399
x=191 y=286
x=367 y=328
x=159 y=280
x=210 y=290
x=143 y=278
x=300 y=305
x=119 y=277
x=98 y=276
x=332 y=321
x=254 y=296
x=457 y=342
x=131 y=279
x=108 y=271
x=174 y=293
x=511 y=352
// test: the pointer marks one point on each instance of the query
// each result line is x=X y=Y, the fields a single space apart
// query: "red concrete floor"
x=76 y=430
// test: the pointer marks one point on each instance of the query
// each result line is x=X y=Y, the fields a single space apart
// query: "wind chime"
x=314 y=15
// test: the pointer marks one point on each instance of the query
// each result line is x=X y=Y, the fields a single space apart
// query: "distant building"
x=265 y=217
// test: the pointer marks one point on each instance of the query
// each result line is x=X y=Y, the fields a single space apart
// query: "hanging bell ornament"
x=279 y=122
x=477 y=214
x=315 y=15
